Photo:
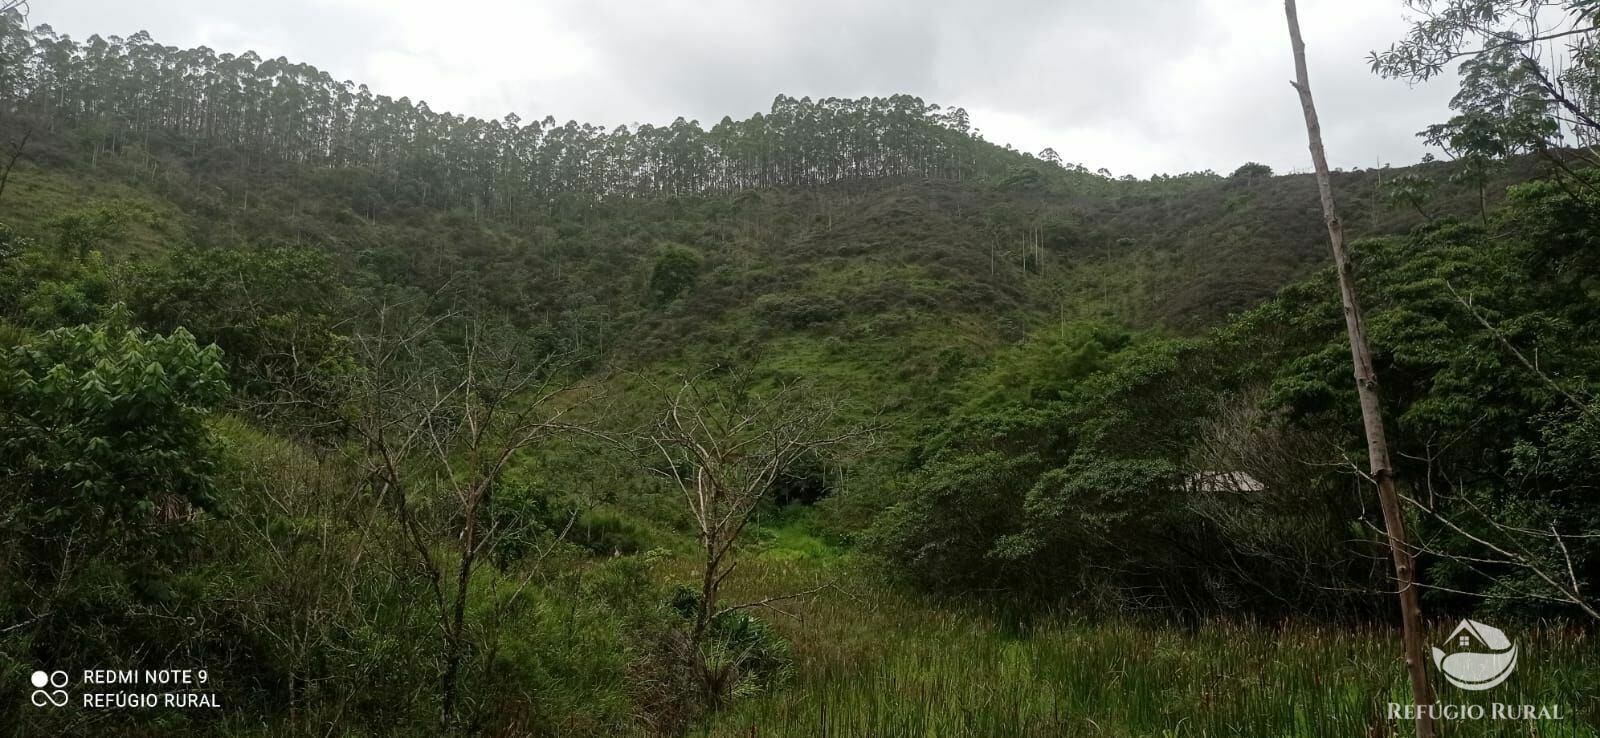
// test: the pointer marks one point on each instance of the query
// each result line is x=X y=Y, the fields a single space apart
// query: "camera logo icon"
x=48 y=689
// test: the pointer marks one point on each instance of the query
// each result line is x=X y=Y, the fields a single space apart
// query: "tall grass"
x=870 y=662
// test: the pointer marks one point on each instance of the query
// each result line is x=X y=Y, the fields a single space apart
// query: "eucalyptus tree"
x=109 y=92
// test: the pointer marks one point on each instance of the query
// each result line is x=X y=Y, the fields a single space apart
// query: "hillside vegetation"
x=834 y=420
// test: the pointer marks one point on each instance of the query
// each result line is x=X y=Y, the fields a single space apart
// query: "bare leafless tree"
x=723 y=445
x=308 y=598
x=436 y=429
x=16 y=148
x=1381 y=470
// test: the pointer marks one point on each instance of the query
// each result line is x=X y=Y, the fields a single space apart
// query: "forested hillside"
x=402 y=422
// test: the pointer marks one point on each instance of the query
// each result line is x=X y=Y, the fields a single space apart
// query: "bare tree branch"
x=724 y=445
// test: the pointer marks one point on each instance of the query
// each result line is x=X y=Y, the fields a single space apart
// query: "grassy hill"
x=886 y=288
x=860 y=262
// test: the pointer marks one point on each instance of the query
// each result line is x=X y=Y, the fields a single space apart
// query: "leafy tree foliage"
x=105 y=457
x=1529 y=72
x=1040 y=337
x=675 y=271
x=1461 y=311
x=1053 y=472
x=1251 y=171
x=272 y=311
x=1078 y=469
x=84 y=230
x=1410 y=191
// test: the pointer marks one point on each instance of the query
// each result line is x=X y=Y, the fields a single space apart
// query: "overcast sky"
x=1135 y=86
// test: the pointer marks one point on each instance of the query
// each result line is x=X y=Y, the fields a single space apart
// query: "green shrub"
x=674 y=273
x=106 y=463
x=610 y=532
x=795 y=312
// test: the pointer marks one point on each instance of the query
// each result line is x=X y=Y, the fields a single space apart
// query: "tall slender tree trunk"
x=16 y=153
x=1367 y=389
x=455 y=628
x=710 y=579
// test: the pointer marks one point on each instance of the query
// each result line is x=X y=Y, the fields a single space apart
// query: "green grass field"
x=870 y=661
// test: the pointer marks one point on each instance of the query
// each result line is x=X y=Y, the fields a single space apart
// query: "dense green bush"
x=674 y=273
x=1066 y=474
x=1486 y=350
x=272 y=311
x=103 y=442
x=106 y=463
x=798 y=311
